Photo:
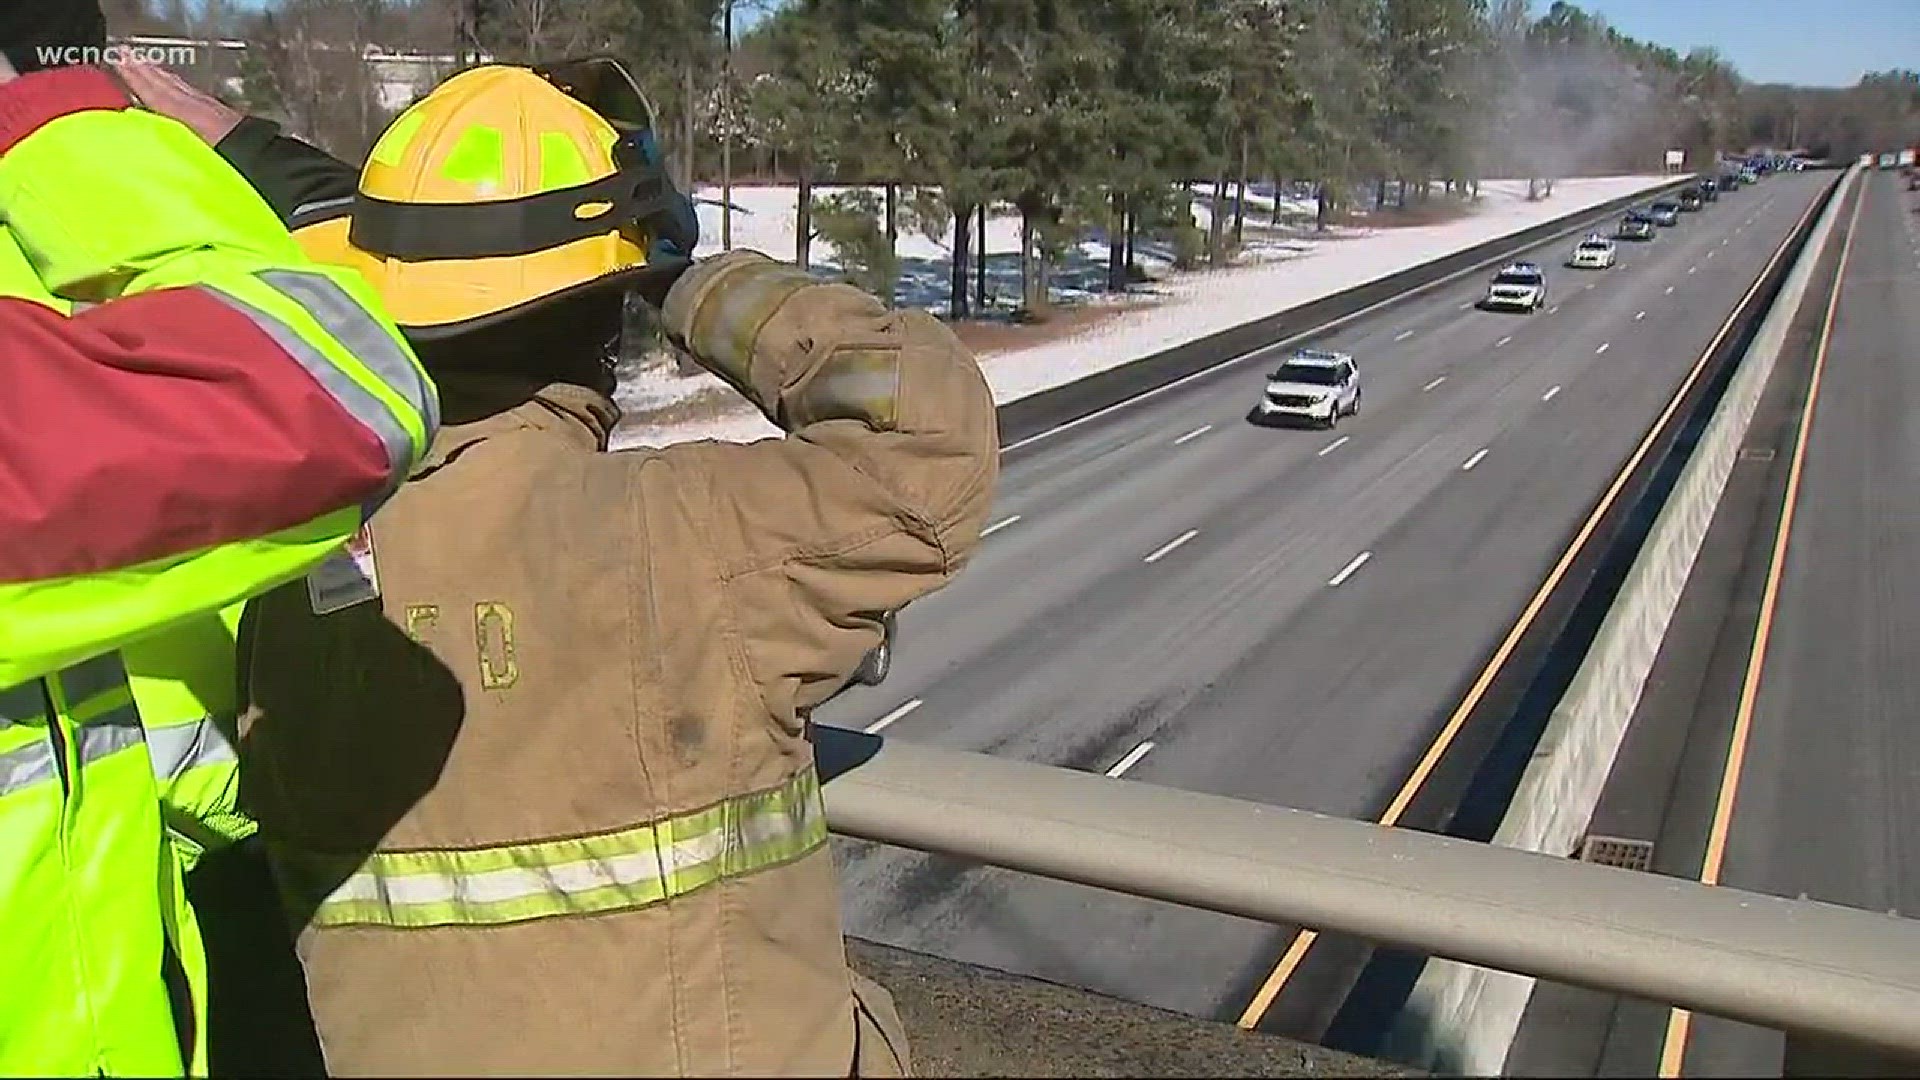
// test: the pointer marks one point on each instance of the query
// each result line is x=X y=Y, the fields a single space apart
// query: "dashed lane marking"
x=887 y=721
x=1133 y=758
x=1173 y=545
x=1351 y=569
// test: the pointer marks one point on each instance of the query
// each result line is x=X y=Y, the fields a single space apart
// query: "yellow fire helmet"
x=497 y=192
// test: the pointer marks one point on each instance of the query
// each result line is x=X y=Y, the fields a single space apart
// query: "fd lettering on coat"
x=420 y=619
x=493 y=632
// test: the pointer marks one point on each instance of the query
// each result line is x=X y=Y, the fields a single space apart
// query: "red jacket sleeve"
x=155 y=423
x=158 y=424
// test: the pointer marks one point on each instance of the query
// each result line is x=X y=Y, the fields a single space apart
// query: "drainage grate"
x=1617 y=851
x=1757 y=453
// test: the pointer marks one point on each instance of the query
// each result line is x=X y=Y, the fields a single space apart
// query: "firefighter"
x=193 y=413
x=535 y=777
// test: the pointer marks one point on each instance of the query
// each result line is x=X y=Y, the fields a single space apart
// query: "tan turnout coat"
x=569 y=645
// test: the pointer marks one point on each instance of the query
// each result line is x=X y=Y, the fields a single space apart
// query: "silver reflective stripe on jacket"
x=100 y=703
x=635 y=867
x=361 y=335
x=178 y=747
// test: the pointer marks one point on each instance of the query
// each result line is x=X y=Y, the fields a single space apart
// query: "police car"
x=1596 y=252
x=1315 y=385
x=1519 y=285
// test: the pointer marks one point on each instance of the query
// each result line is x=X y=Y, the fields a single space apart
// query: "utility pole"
x=726 y=132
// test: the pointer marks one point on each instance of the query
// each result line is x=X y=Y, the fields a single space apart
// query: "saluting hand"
x=159 y=90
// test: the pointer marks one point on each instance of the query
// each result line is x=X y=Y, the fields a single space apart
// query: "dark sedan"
x=1636 y=226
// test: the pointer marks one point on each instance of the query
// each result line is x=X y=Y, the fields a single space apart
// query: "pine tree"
x=1052 y=136
x=1342 y=81
x=901 y=49
x=806 y=105
x=1148 y=144
x=1427 y=108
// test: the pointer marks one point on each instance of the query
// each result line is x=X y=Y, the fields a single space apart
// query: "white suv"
x=1313 y=385
x=1596 y=252
x=1518 y=285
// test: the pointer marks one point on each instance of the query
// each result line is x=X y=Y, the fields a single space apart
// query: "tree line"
x=1878 y=115
x=1086 y=117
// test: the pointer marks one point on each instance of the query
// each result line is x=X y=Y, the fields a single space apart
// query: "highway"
x=1172 y=594
x=1777 y=748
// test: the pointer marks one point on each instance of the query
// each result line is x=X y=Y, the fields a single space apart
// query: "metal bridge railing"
x=1811 y=969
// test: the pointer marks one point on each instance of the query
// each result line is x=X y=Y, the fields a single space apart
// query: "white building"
x=401 y=76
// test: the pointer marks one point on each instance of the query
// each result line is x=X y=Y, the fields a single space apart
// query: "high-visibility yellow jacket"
x=190 y=413
x=185 y=688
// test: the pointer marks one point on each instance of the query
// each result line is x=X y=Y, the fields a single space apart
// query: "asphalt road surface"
x=1799 y=775
x=1175 y=595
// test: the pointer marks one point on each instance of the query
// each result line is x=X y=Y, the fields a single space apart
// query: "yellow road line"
x=1296 y=951
x=1673 y=1049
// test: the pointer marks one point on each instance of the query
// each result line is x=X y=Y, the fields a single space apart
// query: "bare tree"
x=435 y=27
x=534 y=30
x=310 y=65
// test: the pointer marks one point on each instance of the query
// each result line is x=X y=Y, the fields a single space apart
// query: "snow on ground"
x=1278 y=273
x=764 y=220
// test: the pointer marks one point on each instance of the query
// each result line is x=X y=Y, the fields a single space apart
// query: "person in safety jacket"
x=191 y=412
x=532 y=761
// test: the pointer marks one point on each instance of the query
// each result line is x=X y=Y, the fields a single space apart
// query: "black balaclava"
x=36 y=34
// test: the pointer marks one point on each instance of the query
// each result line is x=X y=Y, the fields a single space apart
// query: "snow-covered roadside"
x=1283 y=274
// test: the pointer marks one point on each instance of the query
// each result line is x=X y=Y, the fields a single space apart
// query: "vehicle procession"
x=1319 y=387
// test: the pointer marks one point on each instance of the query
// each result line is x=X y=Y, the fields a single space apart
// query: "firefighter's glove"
x=778 y=335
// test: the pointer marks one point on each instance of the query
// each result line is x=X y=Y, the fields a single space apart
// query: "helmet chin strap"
x=610 y=348
x=610 y=356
